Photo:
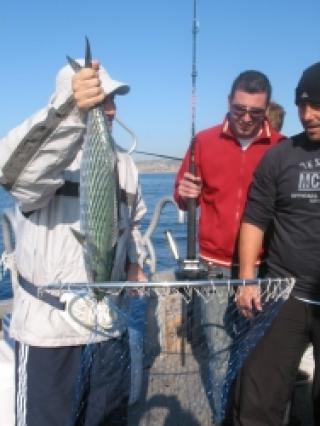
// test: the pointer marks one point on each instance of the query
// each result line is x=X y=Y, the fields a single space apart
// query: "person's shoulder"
x=209 y=132
x=292 y=141
x=286 y=141
x=298 y=139
x=277 y=150
x=281 y=144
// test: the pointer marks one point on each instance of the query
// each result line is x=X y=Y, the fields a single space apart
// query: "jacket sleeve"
x=261 y=201
x=34 y=155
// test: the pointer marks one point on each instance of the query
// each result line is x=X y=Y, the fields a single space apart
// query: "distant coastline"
x=158 y=166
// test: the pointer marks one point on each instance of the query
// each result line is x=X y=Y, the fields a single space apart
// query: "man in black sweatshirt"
x=285 y=194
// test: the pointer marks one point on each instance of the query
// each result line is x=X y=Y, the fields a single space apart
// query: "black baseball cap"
x=308 y=89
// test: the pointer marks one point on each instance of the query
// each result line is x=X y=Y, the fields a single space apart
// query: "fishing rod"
x=192 y=208
x=191 y=267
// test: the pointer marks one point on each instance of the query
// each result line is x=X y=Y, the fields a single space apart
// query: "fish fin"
x=79 y=236
x=88 y=56
x=74 y=64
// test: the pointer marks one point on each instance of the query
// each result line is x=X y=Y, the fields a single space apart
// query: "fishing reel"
x=188 y=269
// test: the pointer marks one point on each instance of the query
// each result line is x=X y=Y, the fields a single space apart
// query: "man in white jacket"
x=66 y=374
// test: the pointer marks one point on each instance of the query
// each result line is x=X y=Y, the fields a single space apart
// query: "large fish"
x=99 y=191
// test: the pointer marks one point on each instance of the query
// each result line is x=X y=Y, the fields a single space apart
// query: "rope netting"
x=187 y=343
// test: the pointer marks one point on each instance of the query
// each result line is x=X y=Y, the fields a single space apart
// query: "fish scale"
x=98 y=197
x=99 y=191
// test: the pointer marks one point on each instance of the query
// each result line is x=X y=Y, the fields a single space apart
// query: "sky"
x=148 y=44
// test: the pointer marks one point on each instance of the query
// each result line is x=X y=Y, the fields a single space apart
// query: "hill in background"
x=158 y=166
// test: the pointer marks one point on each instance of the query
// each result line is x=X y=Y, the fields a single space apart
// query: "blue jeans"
x=217 y=314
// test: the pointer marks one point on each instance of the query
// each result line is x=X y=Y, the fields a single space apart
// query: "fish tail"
x=88 y=58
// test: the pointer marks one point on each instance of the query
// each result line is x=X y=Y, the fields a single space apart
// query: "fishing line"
x=132 y=149
x=153 y=154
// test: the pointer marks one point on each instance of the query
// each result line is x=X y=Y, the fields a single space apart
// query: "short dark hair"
x=252 y=81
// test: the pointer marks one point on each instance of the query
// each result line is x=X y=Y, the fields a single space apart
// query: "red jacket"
x=226 y=172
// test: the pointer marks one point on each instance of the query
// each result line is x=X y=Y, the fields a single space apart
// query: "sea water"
x=154 y=187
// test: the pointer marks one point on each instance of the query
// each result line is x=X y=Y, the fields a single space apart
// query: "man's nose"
x=246 y=117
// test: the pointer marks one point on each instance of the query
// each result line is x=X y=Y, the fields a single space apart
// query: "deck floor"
x=173 y=394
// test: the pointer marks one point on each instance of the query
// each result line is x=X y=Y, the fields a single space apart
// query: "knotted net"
x=187 y=341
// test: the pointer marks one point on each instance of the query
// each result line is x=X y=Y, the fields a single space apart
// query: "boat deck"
x=173 y=391
x=173 y=394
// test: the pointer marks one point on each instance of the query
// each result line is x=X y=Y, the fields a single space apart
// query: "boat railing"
x=151 y=259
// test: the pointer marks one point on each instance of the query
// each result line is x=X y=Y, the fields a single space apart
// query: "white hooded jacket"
x=36 y=159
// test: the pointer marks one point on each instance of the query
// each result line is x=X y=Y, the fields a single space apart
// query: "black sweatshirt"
x=285 y=198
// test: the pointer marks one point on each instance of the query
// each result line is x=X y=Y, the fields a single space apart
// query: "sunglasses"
x=241 y=110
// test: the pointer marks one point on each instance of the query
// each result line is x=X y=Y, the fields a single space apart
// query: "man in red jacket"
x=226 y=157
